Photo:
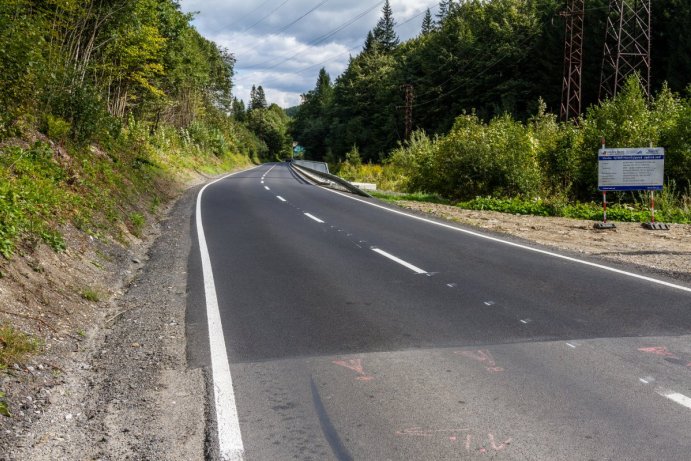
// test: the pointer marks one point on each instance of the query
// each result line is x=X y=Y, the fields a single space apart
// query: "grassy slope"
x=104 y=191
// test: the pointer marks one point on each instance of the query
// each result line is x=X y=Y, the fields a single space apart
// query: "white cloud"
x=286 y=64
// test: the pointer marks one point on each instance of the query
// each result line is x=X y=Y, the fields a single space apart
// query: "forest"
x=483 y=72
x=106 y=106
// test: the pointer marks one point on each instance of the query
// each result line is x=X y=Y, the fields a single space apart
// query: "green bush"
x=473 y=159
x=58 y=129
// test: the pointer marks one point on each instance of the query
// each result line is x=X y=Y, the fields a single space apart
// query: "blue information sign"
x=631 y=169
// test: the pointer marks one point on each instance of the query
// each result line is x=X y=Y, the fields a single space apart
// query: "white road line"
x=266 y=187
x=281 y=198
x=516 y=245
x=314 y=218
x=571 y=345
x=393 y=258
x=229 y=435
x=681 y=399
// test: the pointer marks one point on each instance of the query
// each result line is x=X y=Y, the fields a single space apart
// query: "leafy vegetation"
x=15 y=346
x=90 y=294
x=543 y=158
x=129 y=98
x=499 y=62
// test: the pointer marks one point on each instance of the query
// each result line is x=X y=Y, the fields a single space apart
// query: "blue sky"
x=282 y=44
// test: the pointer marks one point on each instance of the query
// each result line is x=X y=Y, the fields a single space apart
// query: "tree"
x=270 y=125
x=310 y=126
x=427 y=23
x=369 y=43
x=238 y=110
x=446 y=7
x=257 y=98
x=384 y=33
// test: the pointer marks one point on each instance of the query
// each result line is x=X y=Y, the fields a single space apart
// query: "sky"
x=282 y=44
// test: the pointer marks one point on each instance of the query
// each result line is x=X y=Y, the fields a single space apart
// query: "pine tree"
x=257 y=98
x=384 y=33
x=369 y=43
x=238 y=110
x=446 y=7
x=427 y=23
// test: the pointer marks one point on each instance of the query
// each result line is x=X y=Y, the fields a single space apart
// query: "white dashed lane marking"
x=393 y=258
x=676 y=397
x=314 y=218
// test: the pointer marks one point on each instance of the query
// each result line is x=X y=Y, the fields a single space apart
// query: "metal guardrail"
x=325 y=178
x=316 y=166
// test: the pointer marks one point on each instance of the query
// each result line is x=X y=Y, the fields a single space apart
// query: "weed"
x=15 y=346
x=137 y=222
x=155 y=204
x=90 y=295
x=4 y=411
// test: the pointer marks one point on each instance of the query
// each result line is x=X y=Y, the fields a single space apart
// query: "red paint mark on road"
x=499 y=447
x=356 y=366
x=453 y=436
x=485 y=357
x=421 y=432
x=660 y=350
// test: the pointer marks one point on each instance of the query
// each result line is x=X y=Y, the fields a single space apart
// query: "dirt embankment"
x=666 y=252
x=113 y=346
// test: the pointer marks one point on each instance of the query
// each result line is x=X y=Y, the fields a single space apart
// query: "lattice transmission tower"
x=627 y=46
x=573 y=59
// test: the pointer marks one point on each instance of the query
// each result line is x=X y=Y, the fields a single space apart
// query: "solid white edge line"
x=517 y=245
x=393 y=258
x=228 y=423
x=676 y=397
x=281 y=198
x=314 y=218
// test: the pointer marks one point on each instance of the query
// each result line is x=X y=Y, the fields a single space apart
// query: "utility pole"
x=573 y=59
x=627 y=46
x=409 y=99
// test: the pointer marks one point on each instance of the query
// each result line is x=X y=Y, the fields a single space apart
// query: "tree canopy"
x=487 y=57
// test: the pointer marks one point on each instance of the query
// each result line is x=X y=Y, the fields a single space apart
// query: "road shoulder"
x=133 y=396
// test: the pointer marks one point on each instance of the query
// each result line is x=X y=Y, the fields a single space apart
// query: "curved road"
x=355 y=332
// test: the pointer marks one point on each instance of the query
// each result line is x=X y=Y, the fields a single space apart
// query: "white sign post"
x=628 y=170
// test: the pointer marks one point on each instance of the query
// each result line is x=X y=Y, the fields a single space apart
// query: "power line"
x=261 y=5
x=305 y=69
x=264 y=17
x=282 y=29
x=322 y=38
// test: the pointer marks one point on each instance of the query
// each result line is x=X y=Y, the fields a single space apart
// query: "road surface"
x=346 y=330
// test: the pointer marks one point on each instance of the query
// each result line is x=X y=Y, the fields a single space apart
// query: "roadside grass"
x=90 y=294
x=635 y=211
x=15 y=346
x=99 y=191
x=412 y=197
x=670 y=207
x=622 y=212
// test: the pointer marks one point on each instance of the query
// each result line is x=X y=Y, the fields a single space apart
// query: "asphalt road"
x=355 y=332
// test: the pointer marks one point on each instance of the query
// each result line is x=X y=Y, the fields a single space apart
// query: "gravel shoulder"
x=122 y=389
